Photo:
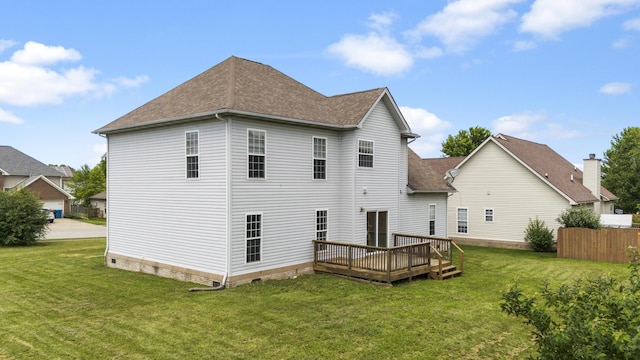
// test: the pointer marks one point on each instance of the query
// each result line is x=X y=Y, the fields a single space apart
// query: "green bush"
x=580 y=217
x=539 y=237
x=596 y=318
x=22 y=221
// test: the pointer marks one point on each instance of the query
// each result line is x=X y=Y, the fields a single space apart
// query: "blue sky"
x=563 y=73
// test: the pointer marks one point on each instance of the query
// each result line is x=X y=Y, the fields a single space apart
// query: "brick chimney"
x=592 y=178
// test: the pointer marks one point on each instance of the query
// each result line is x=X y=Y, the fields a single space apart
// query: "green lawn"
x=58 y=300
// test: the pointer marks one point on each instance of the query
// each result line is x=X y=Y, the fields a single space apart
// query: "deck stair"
x=444 y=273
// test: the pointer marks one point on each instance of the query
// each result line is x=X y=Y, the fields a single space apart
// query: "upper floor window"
x=488 y=215
x=192 y=150
x=463 y=220
x=319 y=158
x=256 y=149
x=365 y=153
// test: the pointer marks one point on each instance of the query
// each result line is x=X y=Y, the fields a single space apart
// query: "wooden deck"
x=410 y=256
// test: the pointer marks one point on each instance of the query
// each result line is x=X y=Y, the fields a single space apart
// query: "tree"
x=579 y=217
x=22 y=220
x=620 y=169
x=597 y=318
x=87 y=182
x=465 y=142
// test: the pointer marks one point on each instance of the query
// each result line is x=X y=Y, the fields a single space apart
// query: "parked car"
x=50 y=215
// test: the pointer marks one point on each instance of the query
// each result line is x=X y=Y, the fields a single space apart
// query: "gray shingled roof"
x=246 y=87
x=551 y=166
x=15 y=162
x=423 y=177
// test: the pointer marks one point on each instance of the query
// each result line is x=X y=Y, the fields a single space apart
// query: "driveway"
x=74 y=229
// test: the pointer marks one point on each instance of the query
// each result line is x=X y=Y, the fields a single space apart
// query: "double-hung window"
x=319 y=158
x=253 y=237
x=321 y=227
x=365 y=154
x=463 y=220
x=192 y=151
x=432 y=219
x=256 y=149
x=488 y=215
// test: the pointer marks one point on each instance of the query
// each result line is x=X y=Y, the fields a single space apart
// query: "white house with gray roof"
x=231 y=175
x=18 y=170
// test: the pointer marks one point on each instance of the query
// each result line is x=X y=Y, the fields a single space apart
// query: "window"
x=192 y=158
x=253 y=237
x=319 y=158
x=365 y=154
x=463 y=220
x=488 y=215
x=432 y=219
x=321 y=227
x=256 y=148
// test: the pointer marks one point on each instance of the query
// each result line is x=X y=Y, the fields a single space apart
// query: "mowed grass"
x=58 y=300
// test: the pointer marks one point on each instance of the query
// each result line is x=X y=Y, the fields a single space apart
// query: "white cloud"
x=616 y=88
x=35 y=53
x=5 y=44
x=429 y=53
x=378 y=54
x=518 y=125
x=523 y=45
x=381 y=22
x=431 y=128
x=30 y=77
x=97 y=151
x=463 y=22
x=131 y=82
x=7 y=116
x=633 y=24
x=621 y=43
x=549 y=18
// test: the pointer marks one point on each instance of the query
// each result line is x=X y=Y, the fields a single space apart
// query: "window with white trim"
x=365 y=154
x=462 y=219
x=432 y=219
x=321 y=227
x=256 y=150
x=319 y=158
x=253 y=236
x=488 y=215
x=192 y=150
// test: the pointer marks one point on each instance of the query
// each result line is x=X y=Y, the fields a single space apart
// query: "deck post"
x=349 y=257
x=388 y=265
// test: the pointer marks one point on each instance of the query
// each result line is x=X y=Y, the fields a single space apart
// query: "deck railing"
x=409 y=256
x=446 y=248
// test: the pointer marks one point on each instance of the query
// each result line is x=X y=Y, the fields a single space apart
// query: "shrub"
x=22 y=221
x=539 y=237
x=580 y=217
x=596 y=318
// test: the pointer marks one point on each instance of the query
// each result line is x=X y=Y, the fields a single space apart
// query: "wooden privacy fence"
x=608 y=244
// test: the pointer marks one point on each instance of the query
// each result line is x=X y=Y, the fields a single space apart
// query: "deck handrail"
x=461 y=254
x=439 y=261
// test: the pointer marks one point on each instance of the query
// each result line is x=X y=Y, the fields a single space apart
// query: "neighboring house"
x=18 y=170
x=507 y=181
x=99 y=204
x=231 y=175
x=67 y=173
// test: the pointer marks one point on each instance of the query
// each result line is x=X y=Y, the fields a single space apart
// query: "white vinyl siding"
x=153 y=213
x=415 y=214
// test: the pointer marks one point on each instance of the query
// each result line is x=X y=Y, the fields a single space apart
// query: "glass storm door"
x=377 y=228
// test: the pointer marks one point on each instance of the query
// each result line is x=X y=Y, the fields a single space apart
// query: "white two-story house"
x=231 y=175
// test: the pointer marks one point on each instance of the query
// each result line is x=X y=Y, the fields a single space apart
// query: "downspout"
x=223 y=284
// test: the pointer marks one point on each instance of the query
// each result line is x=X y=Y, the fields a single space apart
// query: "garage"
x=56 y=205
